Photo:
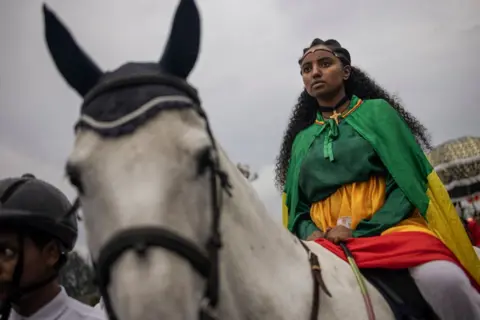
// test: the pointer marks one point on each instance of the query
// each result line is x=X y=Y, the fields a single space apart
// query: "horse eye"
x=204 y=160
x=74 y=176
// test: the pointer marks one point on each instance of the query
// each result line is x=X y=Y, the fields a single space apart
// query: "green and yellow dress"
x=370 y=170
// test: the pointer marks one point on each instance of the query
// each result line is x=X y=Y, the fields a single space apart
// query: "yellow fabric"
x=284 y=210
x=443 y=220
x=360 y=200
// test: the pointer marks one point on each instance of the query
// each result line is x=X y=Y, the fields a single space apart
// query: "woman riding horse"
x=353 y=171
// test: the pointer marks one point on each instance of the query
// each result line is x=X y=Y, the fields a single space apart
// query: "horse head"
x=147 y=171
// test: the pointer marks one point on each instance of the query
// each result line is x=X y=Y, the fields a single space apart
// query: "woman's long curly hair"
x=359 y=84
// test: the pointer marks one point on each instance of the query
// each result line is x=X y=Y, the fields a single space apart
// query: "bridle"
x=140 y=239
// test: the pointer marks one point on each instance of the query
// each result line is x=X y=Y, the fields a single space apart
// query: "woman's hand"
x=314 y=236
x=338 y=234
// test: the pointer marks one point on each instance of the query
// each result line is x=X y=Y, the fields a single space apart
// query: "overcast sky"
x=425 y=51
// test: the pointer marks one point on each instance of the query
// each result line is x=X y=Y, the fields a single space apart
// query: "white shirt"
x=100 y=305
x=62 y=307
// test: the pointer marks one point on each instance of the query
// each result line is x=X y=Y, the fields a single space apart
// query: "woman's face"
x=323 y=74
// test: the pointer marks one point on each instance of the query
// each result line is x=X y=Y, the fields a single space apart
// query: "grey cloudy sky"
x=425 y=51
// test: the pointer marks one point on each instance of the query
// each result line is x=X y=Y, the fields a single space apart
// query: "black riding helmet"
x=27 y=203
x=33 y=203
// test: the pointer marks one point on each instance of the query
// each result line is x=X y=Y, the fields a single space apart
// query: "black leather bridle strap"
x=212 y=289
x=140 y=239
x=318 y=282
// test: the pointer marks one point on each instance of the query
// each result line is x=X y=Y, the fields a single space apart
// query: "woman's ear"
x=347 y=72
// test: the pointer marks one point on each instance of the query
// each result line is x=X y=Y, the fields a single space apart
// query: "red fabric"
x=397 y=250
x=474 y=228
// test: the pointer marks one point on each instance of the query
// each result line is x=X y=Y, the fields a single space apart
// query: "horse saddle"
x=401 y=293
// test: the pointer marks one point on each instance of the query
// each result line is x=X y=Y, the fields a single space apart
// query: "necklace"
x=333 y=109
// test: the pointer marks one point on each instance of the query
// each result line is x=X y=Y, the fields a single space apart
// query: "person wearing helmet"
x=38 y=228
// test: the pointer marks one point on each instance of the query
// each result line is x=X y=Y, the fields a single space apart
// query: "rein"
x=361 y=282
x=317 y=281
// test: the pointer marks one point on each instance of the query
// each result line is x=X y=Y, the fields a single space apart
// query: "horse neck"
x=262 y=265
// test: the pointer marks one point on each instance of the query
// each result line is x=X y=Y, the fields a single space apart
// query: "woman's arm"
x=305 y=226
x=395 y=209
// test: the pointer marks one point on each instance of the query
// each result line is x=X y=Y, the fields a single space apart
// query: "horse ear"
x=76 y=67
x=183 y=45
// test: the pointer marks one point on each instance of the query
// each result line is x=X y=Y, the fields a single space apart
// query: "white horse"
x=152 y=181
